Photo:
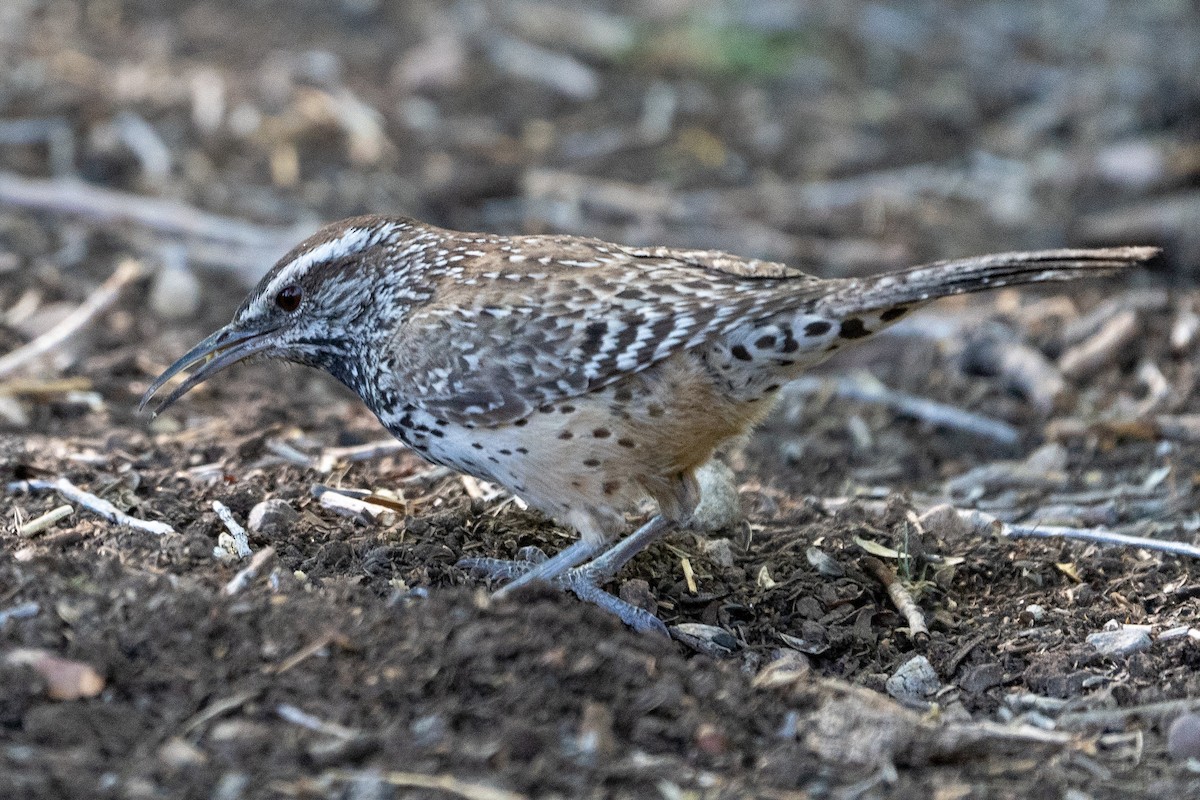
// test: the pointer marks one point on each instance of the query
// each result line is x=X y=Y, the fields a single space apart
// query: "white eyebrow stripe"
x=351 y=240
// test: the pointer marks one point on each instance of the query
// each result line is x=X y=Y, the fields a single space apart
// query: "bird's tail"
x=917 y=285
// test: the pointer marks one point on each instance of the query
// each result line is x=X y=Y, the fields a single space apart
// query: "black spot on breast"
x=853 y=328
x=566 y=435
x=506 y=452
x=741 y=353
x=790 y=345
x=437 y=433
x=591 y=462
x=611 y=487
x=477 y=445
x=521 y=423
x=630 y=443
x=523 y=451
x=765 y=342
x=568 y=409
x=893 y=313
x=818 y=328
x=622 y=395
x=602 y=433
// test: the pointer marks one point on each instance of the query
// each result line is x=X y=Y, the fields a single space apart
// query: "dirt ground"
x=358 y=661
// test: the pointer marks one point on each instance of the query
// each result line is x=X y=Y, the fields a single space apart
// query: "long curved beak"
x=225 y=347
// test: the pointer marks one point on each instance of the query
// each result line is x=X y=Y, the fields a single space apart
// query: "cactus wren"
x=583 y=376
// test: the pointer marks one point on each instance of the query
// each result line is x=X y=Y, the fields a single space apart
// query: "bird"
x=581 y=375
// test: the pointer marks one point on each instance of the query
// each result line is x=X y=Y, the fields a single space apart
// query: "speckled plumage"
x=579 y=374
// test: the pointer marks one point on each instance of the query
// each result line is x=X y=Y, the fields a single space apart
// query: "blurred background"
x=838 y=136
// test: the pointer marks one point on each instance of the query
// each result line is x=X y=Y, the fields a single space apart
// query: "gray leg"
x=552 y=568
x=563 y=571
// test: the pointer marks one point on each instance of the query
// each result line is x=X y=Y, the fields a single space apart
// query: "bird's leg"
x=563 y=571
x=583 y=580
x=572 y=571
x=528 y=570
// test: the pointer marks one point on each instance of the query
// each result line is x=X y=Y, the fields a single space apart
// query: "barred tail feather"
x=917 y=285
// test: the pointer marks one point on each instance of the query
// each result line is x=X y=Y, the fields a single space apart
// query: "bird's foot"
x=581 y=581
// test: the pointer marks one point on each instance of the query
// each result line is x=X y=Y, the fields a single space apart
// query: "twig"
x=331 y=456
x=127 y=272
x=310 y=649
x=296 y=716
x=32 y=387
x=869 y=390
x=108 y=207
x=1099 y=537
x=242 y=579
x=1019 y=366
x=1101 y=348
x=900 y=597
x=358 y=509
x=91 y=502
x=442 y=783
x=240 y=541
x=47 y=520
x=945 y=520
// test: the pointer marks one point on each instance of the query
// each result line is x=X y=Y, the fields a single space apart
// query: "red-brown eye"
x=289 y=298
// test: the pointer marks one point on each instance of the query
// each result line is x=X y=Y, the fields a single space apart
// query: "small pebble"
x=272 y=517
x=720 y=507
x=1183 y=737
x=707 y=639
x=720 y=551
x=915 y=680
x=1122 y=642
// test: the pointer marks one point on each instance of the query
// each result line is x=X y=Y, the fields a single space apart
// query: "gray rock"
x=272 y=517
x=1121 y=642
x=720 y=507
x=915 y=680
x=1183 y=737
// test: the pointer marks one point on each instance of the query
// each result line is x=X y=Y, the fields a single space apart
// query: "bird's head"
x=317 y=306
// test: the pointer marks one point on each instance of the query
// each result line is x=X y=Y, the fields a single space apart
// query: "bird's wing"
x=498 y=348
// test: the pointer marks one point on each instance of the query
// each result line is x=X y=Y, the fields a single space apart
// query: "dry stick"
x=903 y=601
x=91 y=502
x=931 y=411
x=232 y=245
x=980 y=522
x=298 y=716
x=109 y=207
x=128 y=271
x=1099 y=537
x=240 y=540
x=441 y=783
x=242 y=579
x=47 y=520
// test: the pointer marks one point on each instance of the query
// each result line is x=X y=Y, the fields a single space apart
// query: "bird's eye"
x=289 y=298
